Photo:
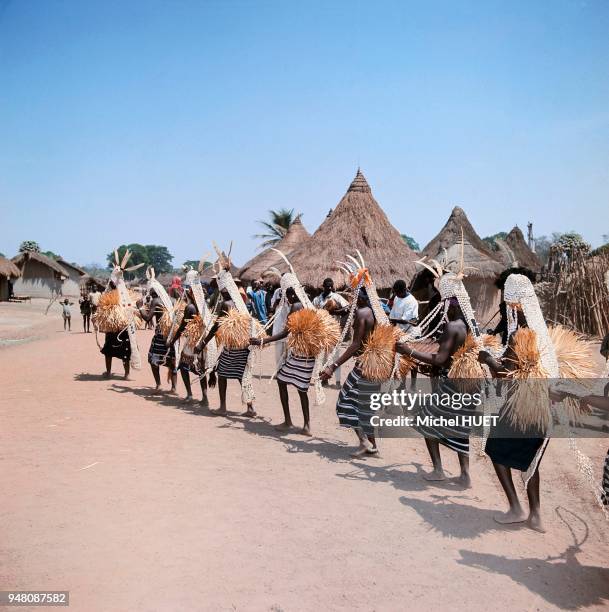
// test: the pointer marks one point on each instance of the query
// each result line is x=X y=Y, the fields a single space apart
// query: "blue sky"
x=180 y=122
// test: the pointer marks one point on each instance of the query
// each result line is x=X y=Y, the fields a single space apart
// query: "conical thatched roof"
x=8 y=269
x=515 y=249
x=478 y=258
x=358 y=222
x=19 y=260
x=296 y=235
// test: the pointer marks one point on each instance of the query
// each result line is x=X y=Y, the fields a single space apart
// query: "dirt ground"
x=134 y=502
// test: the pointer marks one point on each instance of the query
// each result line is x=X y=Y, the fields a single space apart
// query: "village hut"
x=481 y=267
x=357 y=223
x=73 y=284
x=8 y=273
x=258 y=266
x=41 y=276
x=515 y=251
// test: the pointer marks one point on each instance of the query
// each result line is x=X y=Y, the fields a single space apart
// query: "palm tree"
x=280 y=221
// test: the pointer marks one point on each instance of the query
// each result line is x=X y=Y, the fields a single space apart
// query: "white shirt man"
x=405 y=306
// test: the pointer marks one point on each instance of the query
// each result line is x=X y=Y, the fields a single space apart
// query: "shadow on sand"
x=561 y=580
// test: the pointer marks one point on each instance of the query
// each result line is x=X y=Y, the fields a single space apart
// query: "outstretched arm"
x=445 y=350
x=359 y=328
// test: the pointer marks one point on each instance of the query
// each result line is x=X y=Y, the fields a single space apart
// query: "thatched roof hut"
x=8 y=272
x=27 y=256
x=481 y=267
x=41 y=276
x=357 y=222
x=514 y=249
x=256 y=267
x=8 y=269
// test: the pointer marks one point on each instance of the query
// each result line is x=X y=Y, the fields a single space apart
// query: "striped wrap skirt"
x=297 y=371
x=353 y=405
x=455 y=437
x=160 y=354
x=232 y=363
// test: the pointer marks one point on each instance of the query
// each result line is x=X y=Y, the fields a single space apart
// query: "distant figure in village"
x=159 y=353
x=66 y=313
x=353 y=405
x=405 y=308
x=296 y=371
x=258 y=298
x=337 y=306
x=231 y=363
x=85 y=311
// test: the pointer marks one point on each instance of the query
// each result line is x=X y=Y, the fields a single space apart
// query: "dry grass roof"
x=66 y=264
x=8 y=269
x=358 y=222
x=478 y=258
x=515 y=249
x=256 y=267
x=21 y=259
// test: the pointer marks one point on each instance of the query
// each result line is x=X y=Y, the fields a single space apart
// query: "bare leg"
x=222 y=393
x=534 y=519
x=69 y=323
x=285 y=405
x=186 y=380
x=157 y=376
x=108 y=371
x=464 y=479
x=173 y=376
x=515 y=514
x=204 y=401
x=433 y=447
x=304 y=404
x=65 y=322
x=360 y=451
x=127 y=367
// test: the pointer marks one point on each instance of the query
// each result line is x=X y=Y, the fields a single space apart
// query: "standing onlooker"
x=85 y=311
x=405 y=309
x=259 y=302
x=94 y=299
x=66 y=314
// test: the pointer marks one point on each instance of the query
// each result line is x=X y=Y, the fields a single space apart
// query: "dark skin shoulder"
x=224 y=307
x=363 y=324
x=189 y=312
x=452 y=338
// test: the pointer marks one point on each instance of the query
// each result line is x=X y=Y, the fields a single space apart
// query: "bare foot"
x=250 y=413
x=285 y=426
x=219 y=412
x=126 y=377
x=306 y=430
x=172 y=391
x=463 y=481
x=373 y=452
x=204 y=403
x=435 y=476
x=359 y=452
x=187 y=399
x=534 y=522
x=510 y=517
x=107 y=374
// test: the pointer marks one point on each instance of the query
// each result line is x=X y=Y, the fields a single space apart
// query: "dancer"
x=525 y=449
x=353 y=405
x=296 y=371
x=160 y=353
x=190 y=331
x=233 y=324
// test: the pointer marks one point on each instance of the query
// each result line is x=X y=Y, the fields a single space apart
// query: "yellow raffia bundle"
x=576 y=359
x=528 y=404
x=465 y=365
x=165 y=322
x=311 y=332
x=378 y=357
x=193 y=331
x=110 y=316
x=235 y=329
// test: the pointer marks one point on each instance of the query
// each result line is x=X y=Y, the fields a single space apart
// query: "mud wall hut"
x=8 y=273
x=40 y=277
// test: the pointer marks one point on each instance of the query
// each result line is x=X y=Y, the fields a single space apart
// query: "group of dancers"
x=220 y=343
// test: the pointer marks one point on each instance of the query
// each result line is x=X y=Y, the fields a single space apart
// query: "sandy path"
x=133 y=503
